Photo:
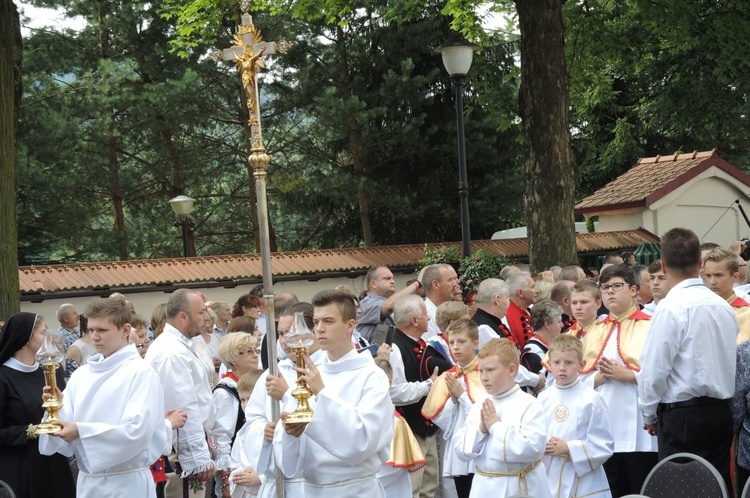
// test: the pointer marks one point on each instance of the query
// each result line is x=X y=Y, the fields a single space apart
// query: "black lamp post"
x=182 y=206
x=458 y=53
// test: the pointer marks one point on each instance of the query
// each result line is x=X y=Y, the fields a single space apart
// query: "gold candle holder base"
x=52 y=405
x=303 y=413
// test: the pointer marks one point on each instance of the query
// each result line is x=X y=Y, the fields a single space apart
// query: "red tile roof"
x=652 y=178
x=246 y=268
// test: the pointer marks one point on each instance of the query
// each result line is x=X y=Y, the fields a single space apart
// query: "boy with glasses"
x=611 y=352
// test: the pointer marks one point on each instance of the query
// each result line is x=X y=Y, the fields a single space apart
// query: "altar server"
x=505 y=433
x=343 y=447
x=579 y=431
x=112 y=418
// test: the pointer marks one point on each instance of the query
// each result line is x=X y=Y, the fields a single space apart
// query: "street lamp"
x=458 y=53
x=182 y=206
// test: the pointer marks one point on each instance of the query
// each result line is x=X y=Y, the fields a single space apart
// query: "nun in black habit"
x=28 y=473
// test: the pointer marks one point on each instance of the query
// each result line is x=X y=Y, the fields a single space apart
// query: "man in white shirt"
x=440 y=282
x=186 y=385
x=687 y=372
x=112 y=418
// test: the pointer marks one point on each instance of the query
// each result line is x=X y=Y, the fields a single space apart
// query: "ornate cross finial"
x=248 y=52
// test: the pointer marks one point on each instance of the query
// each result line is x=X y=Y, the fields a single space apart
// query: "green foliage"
x=449 y=255
x=479 y=266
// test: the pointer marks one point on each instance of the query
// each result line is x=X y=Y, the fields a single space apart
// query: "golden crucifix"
x=248 y=52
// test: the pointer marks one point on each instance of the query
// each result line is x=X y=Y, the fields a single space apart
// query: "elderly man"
x=376 y=307
x=440 y=282
x=186 y=386
x=223 y=316
x=492 y=304
x=523 y=294
x=68 y=318
x=412 y=361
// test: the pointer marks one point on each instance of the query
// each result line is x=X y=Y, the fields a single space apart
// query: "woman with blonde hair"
x=158 y=319
x=239 y=353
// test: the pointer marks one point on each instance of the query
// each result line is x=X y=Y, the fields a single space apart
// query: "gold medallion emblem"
x=561 y=413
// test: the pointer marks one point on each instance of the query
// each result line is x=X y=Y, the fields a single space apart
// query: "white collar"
x=21 y=367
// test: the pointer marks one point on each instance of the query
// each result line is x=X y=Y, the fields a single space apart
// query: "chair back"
x=746 y=490
x=5 y=491
x=684 y=475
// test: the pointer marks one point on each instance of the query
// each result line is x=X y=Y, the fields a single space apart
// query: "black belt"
x=703 y=400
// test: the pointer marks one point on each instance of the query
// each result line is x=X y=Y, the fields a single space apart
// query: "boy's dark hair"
x=681 y=251
x=655 y=267
x=340 y=298
x=624 y=271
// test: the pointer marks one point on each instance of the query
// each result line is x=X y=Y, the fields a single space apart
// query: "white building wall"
x=145 y=302
x=705 y=205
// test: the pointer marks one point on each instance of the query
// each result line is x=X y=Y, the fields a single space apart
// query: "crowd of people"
x=571 y=382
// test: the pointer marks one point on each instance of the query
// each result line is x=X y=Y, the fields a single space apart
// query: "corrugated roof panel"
x=118 y=275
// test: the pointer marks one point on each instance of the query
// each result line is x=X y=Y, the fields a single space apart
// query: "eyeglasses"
x=616 y=287
x=256 y=352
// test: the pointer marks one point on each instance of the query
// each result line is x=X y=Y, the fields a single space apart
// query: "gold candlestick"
x=49 y=357
x=300 y=338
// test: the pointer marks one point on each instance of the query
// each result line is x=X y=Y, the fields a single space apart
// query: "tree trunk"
x=358 y=162
x=544 y=104
x=10 y=96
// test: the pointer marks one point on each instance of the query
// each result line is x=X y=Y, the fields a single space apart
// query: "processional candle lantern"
x=49 y=357
x=300 y=338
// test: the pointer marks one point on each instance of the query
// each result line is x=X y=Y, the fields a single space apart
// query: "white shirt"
x=690 y=350
x=186 y=386
x=432 y=326
x=403 y=392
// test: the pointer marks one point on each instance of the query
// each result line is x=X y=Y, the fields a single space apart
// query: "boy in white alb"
x=453 y=395
x=343 y=447
x=259 y=425
x=505 y=433
x=244 y=480
x=579 y=431
x=112 y=418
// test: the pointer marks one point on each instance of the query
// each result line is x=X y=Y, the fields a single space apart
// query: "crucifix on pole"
x=248 y=52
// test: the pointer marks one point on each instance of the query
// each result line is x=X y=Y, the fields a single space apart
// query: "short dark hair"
x=113 y=308
x=655 y=267
x=681 y=251
x=621 y=270
x=340 y=298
